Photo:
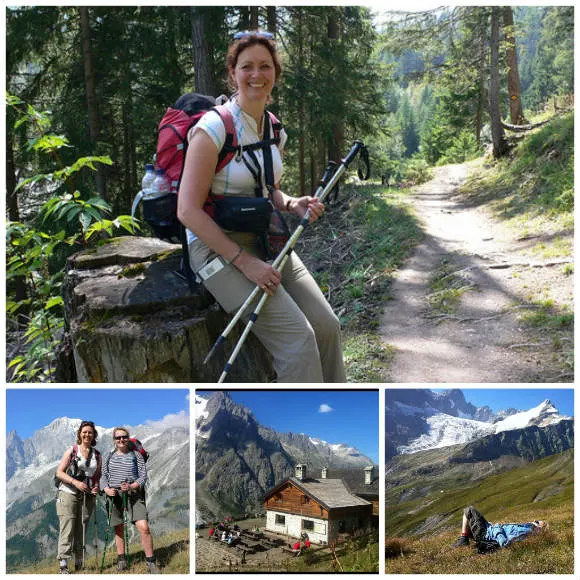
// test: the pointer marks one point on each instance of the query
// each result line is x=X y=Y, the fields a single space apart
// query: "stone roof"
x=331 y=493
x=354 y=479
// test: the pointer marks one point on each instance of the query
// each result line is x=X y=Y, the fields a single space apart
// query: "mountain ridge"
x=238 y=459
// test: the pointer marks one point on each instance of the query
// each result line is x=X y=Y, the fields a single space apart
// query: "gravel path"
x=483 y=340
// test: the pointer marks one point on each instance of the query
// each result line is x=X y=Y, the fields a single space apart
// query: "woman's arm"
x=65 y=477
x=198 y=174
x=63 y=466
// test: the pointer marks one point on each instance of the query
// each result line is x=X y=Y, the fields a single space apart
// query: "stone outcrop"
x=132 y=319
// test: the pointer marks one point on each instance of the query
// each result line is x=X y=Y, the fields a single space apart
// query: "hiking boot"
x=462 y=541
x=64 y=570
x=152 y=568
x=121 y=565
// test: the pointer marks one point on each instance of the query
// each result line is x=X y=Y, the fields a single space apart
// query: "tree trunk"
x=336 y=144
x=271 y=18
x=513 y=75
x=254 y=22
x=204 y=81
x=19 y=283
x=92 y=104
x=497 y=132
x=481 y=98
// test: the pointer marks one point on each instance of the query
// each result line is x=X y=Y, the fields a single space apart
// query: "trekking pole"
x=126 y=526
x=357 y=147
x=84 y=527
x=110 y=513
x=96 y=536
x=276 y=264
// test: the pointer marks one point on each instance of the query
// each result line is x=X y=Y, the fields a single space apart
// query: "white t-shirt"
x=235 y=178
x=89 y=469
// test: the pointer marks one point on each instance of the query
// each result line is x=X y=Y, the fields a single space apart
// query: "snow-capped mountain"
x=238 y=460
x=31 y=524
x=418 y=420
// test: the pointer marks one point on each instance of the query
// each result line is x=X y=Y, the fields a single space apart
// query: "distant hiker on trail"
x=79 y=471
x=296 y=325
x=488 y=536
x=124 y=472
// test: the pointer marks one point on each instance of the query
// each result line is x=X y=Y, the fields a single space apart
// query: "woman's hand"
x=302 y=204
x=95 y=489
x=110 y=491
x=81 y=486
x=259 y=272
x=134 y=486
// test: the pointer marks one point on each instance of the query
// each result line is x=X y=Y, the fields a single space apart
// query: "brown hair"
x=251 y=39
x=92 y=426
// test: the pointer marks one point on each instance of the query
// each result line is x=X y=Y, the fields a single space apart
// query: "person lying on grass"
x=488 y=536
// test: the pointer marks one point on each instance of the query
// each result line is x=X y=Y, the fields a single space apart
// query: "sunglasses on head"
x=87 y=424
x=266 y=35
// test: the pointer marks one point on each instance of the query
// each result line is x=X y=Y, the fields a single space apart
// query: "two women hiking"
x=121 y=477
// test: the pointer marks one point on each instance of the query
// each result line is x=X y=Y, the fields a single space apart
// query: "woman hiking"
x=79 y=471
x=490 y=536
x=123 y=480
x=297 y=325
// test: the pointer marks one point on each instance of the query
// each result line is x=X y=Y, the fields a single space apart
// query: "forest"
x=87 y=86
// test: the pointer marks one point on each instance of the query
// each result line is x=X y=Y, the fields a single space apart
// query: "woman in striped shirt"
x=124 y=472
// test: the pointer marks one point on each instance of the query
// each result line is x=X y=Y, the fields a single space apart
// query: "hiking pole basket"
x=327 y=184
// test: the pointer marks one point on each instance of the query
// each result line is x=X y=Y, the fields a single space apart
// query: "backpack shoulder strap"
x=276 y=126
x=231 y=142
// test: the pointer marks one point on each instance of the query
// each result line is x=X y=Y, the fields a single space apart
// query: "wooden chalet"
x=321 y=507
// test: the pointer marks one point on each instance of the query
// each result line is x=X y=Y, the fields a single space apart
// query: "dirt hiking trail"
x=482 y=340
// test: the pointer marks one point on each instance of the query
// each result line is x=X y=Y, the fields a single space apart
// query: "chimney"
x=369 y=474
x=301 y=471
x=324 y=472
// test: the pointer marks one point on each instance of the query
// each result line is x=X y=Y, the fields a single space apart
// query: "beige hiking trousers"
x=296 y=325
x=69 y=509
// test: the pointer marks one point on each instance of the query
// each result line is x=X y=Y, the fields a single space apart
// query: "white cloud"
x=324 y=408
x=180 y=419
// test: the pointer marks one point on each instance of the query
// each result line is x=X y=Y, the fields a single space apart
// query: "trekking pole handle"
x=357 y=146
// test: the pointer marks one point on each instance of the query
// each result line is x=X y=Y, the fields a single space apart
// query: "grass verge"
x=352 y=254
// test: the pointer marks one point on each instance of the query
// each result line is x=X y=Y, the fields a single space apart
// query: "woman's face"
x=87 y=435
x=254 y=73
x=121 y=440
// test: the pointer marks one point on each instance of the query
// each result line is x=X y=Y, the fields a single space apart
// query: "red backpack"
x=161 y=212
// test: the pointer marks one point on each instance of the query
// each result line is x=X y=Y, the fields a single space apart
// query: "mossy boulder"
x=132 y=319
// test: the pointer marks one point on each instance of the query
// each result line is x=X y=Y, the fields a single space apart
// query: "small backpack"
x=161 y=212
x=73 y=464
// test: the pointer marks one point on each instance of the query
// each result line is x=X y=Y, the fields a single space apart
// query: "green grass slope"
x=420 y=532
x=171 y=552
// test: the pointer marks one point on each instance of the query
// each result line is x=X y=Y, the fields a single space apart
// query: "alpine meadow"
x=452 y=263
x=445 y=454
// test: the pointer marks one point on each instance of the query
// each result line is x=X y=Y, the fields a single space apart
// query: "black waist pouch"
x=161 y=215
x=243 y=214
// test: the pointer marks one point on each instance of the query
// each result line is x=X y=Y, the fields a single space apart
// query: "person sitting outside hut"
x=490 y=536
x=296 y=548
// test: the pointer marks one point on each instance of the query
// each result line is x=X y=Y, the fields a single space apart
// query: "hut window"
x=278 y=498
x=308 y=525
x=280 y=520
x=304 y=499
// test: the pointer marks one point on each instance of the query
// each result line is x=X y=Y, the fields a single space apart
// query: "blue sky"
x=336 y=416
x=521 y=399
x=28 y=410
